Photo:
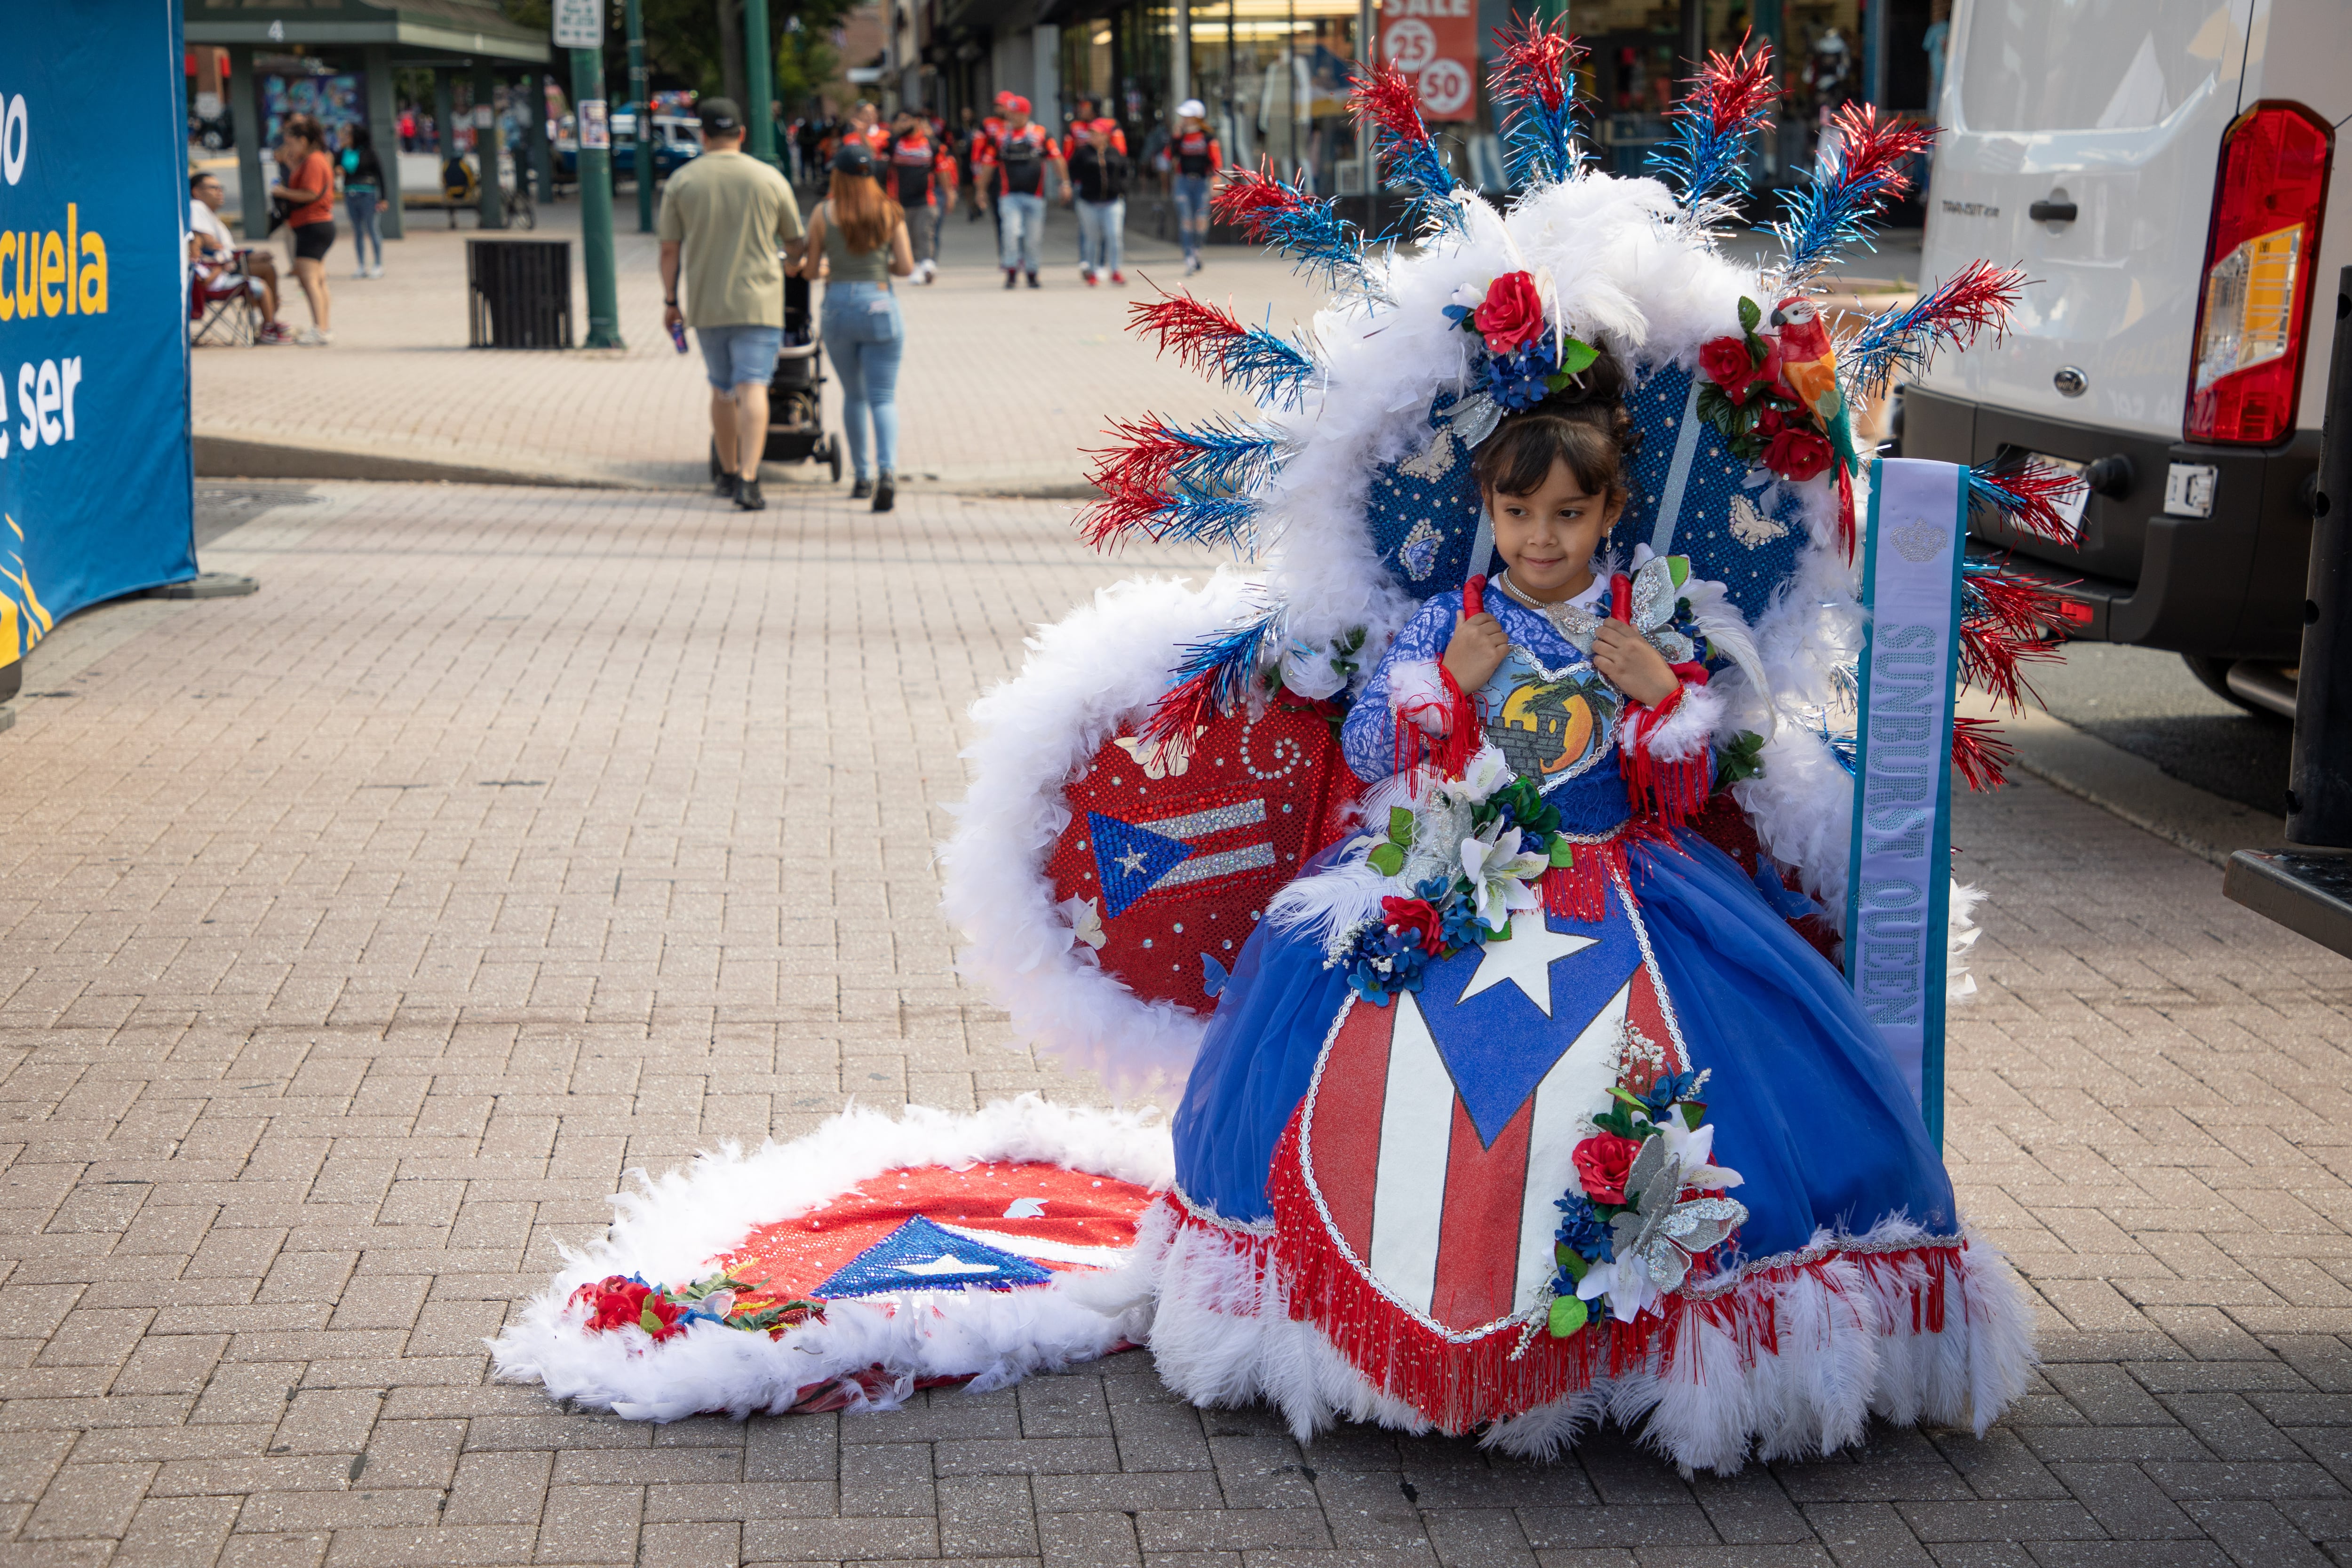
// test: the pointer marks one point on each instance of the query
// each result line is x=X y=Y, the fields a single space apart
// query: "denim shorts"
x=734 y=356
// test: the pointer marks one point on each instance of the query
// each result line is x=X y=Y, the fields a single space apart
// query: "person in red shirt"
x=865 y=125
x=308 y=190
x=1020 y=155
x=922 y=176
x=1195 y=160
x=1082 y=124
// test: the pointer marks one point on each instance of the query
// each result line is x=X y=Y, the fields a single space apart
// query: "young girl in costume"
x=1582 y=1123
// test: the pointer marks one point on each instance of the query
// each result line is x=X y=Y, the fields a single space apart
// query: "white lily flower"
x=1470 y=294
x=1486 y=773
x=1695 y=1149
x=1086 y=920
x=1501 y=876
x=1626 y=1284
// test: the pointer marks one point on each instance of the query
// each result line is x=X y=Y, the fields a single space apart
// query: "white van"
x=2161 y=168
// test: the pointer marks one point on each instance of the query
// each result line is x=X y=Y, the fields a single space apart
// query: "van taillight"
x=2260 y=256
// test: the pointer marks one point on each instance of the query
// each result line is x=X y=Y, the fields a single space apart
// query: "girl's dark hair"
x=1584 y=425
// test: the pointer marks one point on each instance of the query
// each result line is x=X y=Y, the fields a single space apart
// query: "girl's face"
x=1550 y=536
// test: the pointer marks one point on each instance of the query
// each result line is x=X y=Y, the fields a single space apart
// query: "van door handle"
x=2051 y=211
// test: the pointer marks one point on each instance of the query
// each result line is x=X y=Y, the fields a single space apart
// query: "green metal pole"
x=759 y=80
x=641 y=90
x=597 y=205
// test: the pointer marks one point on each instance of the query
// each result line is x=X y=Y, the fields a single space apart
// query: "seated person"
x=214 y=251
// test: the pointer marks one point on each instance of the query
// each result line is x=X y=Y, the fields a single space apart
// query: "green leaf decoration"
x=1575 y=1262
x=1751 y=314
x=1627 y=1096
x=1501 y=933
x=1568 y=1315
x=1563 y=853
x=649 y=1320
x=1576 y=355
x=1742 y=759
x=1757 y=351
x=1693 y=1114
x=1387 y=859
x=1679 y=568
x=1400 y=827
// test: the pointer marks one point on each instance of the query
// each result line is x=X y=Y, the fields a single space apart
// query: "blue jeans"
x=866 y=338
x=1192 y=210
x=1099 y=234
x=366 y=226
x=741 y=354
x=1020 y=224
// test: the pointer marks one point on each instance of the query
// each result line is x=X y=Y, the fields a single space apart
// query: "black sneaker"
x=1013 y=278
x=885 y=492
x=724 y=485
x=747 y=497
x=861 y=490
x=1032 y=282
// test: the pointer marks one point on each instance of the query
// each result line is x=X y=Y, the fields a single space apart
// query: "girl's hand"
x=1476 y=651
x=1631 y=665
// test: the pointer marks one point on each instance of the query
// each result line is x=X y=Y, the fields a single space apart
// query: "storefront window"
x=1275 y=75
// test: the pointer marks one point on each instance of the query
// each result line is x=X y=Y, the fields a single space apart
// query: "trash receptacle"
x=520 y=291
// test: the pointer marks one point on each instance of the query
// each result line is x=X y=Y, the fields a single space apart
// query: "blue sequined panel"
x=920 y=1255
x=1423 y=511
x=1728 y=535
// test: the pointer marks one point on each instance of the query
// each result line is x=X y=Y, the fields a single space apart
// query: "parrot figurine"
x=1808 y=365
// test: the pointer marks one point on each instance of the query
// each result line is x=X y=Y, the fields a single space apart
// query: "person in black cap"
x=724 y=216
x=861 y=234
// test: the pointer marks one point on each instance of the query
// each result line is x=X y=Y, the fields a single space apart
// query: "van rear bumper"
x=2227 y=587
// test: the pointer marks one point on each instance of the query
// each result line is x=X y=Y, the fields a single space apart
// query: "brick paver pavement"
x=357 y=936
x=998 y=388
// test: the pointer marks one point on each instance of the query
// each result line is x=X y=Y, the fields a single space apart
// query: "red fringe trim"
x=1460 y=1385
x=1449 y=753
x=1669 y=793
x=1456 y=1385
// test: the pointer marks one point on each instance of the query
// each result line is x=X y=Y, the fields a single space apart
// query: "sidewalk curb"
x=246 y=457
x=243 y=457
x=2128 y=786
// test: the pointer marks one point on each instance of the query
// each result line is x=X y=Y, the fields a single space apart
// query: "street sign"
x=579 y=24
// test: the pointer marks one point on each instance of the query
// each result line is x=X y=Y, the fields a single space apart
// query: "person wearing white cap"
x=1197 y=159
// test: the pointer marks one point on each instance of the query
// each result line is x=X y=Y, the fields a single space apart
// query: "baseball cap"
x=1013 y=103
x=719 y=114
x=1006 y=99
x=853 y=158
x=1193 y=109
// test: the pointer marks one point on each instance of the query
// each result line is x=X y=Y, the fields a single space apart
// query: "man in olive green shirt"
x=723 y=218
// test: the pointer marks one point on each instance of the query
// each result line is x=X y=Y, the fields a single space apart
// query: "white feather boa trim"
x=1689 y=729
x=1222 y=1334
x=668 y=1229
x=1417 y=696
x=1102 y=665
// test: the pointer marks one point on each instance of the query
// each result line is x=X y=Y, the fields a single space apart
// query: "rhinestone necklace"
x=1575 y=624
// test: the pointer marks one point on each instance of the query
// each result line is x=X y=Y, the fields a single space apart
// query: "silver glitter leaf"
x=1474 y=418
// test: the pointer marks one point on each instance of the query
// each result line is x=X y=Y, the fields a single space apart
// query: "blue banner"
x=96 y=487
x=1899 y=878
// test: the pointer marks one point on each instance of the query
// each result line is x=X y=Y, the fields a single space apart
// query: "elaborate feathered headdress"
x=1348 y=487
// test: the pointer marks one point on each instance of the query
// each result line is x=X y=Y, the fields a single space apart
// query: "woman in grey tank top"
x=862 y=235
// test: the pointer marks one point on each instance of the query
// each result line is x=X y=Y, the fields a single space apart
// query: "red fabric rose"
x=614 y=1301
x=1417 y=916
x=1797 y=454
x=1603 y=1164
x=1728 y=362
x=668 y=1313
x=1511 y=314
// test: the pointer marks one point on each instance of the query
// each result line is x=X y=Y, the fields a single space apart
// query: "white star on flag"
x=1526 y=960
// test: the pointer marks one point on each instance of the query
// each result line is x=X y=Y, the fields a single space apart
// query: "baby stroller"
x=795 y=406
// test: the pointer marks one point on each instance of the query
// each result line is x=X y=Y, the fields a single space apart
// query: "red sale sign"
x=1436 y=42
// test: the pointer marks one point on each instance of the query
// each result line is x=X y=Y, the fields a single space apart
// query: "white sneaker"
x=1191 y=265
x=360 y=272
x=377 y=271
x=312 y=338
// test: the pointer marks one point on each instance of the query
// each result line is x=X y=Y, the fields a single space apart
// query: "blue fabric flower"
x=1667 y=1091
x=1582 y=1230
